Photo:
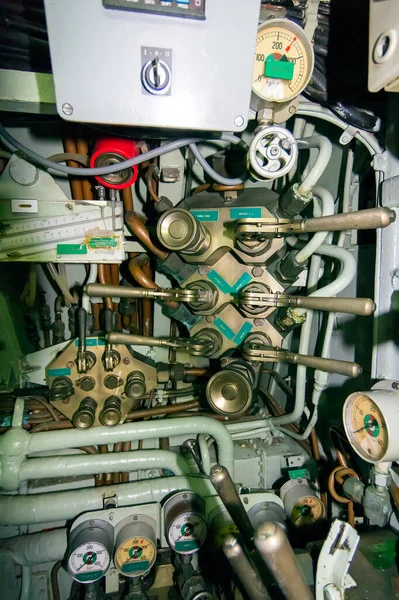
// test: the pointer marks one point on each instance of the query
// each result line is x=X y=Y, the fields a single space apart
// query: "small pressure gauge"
x=301 y=503
x=135 y=546
x=89 y=551
x=185 y=525
x=371 y=421
x=284 y=61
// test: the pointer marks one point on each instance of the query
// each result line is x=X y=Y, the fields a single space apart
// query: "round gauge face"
x=135 y=556
x=88 y=562
x=366 y=427
x=307 y=511
x=187 y=533
x=284 y=61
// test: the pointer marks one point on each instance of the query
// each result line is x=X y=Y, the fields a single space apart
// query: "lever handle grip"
x=329 y=365
x=372 y=218
x=82 y=326
x=108 y=320
x=351 y=306
x=115 y=337
x=224 y=486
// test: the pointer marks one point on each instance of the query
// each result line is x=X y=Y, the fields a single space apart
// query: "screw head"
x=203 y=270
x=292 y=110
x=259 y=322
x=70 y=364
x=239 y=121
x=395 y=385
x=135 y=518
x=126 y=361
x=67 y=109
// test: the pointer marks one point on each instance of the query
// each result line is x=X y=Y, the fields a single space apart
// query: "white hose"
x=68 y=297
x=92 y=278
x=324 y=146
x=317 y=240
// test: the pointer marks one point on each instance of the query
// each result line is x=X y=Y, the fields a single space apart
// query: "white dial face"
x=187 y=533
x=88 y=562
x=283 y=61
x=365 y=427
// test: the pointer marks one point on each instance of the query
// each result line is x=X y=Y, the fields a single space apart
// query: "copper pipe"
x=315 y=445
x=147 y=304
x=338 y=474
x=201 y=188
x=89 y=449
x=341 y=458
x=164 y=443
x=394 y=490
x=83 y=148
x=137 y=226
x=162 y=410
x=76 y=184
x=228 y=188
x=150 y=181
x=127 y=199
x=102 y=278
x=136 y=271
x=52 y=426
x=126 y=447
x=195 y=372
x=49 y=408
x=115 y=281
x=96 y=309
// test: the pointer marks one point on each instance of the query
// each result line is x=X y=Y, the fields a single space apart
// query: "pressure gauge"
x=371 y=421
x=301 y=503
x=185 y=525
x=135 y=546
x=284 y=61
x=89 y=551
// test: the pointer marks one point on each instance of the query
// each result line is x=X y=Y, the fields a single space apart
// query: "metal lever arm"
x=119 y=291
x=196 y=347
x=352 y=306
x=262 y=229
x=261 y=353
x=82 y=324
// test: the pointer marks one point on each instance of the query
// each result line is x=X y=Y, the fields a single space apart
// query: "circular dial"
x=135 y=556
x=187 y=533
x=283 y=61
x=307 y=510
x=88 y=562
x=365 y=427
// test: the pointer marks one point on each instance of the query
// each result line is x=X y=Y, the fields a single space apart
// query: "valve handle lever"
x=110 y=358
x=108 y=320
x=196 y=347
x=263 y=353
x=191 y=447
x=353 y=306
x=227 y=491
x=81 y=360
x=244 y=569
x=371 y=218
x=173 y=294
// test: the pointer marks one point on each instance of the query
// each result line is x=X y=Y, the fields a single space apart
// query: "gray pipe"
x=51 y=507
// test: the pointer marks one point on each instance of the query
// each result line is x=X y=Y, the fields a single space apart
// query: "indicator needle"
x=365 y=427
x=288 y=48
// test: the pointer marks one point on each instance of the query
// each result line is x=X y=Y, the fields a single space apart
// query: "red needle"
x=288 y=48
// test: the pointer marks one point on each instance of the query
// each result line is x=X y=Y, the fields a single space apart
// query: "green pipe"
x=61 y=506
x=89 y=464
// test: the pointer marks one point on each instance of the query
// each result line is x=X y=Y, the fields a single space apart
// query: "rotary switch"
x=156 y=76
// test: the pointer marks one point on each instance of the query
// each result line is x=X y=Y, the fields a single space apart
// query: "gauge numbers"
x=187 y=533
x=88 y=562
x=283 y=61
x=135 y=556
x=366 y=427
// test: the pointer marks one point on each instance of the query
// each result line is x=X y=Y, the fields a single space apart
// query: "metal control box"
x=181 y=65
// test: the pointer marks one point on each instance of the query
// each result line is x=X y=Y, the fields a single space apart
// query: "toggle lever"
x=227 y=491
x=178 y=294
x=352 y=306
x=244 y=569
x=263 y=353
x=195 y=347
x=85 y=359
x=269 y=227
x=111 y=357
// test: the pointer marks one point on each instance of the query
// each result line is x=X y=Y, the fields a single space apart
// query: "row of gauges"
x=133 y=542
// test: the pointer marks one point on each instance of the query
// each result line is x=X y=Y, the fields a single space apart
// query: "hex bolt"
x=259 y=322
x=257 y=272
x=67 y=109
x=126 y=361
x=70 y=364
x=203 y=270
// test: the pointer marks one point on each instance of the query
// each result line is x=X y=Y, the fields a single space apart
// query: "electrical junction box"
x=177 y=64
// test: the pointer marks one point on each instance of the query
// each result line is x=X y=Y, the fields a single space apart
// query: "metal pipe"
x=76 y=184
x=103 y=279
x=135 y=340
x=275 y=550
x=36 y=548
x=371 y=218
x=82 y=464
x=139 y=229
x=225 y=487
x=244 y=569
x=135 y=268
x=52 y=507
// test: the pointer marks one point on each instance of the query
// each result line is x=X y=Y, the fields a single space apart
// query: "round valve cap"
x=229 y=393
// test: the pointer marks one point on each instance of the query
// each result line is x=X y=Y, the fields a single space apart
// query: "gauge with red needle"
x=283 y=63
